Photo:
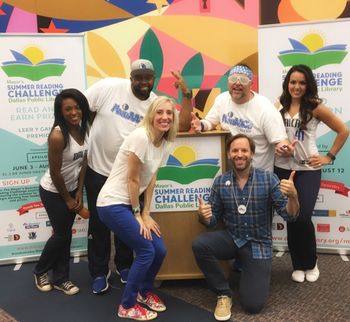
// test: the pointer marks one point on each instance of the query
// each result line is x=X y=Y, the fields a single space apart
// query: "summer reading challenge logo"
x=182 y=167
x=311 y=51
x=31 y=65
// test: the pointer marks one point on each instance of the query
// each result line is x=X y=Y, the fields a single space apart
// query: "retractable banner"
x=33 y=70
x=324 y=47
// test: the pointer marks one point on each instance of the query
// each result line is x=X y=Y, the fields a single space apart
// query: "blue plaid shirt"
x=255 y=225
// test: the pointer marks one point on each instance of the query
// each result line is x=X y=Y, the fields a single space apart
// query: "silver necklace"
x=241 y=208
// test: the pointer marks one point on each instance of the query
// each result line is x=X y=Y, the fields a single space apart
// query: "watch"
x=136 y=210
x=187 y=94
x=331 y=156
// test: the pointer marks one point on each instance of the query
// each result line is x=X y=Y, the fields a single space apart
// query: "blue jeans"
x=209 y=248
x=149 y=254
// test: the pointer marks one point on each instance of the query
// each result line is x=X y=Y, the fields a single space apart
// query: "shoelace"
x=221 y=300
x=43 y=279
x=67 y=285
x=152 y=296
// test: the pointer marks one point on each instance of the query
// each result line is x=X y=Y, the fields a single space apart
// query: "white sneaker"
x=298 y=276
x=312 y=275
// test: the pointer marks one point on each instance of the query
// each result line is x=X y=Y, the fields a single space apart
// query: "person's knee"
x=252 y=307
x=198 y=245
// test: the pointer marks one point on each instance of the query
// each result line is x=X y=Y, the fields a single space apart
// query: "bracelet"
x=202 y=126
x=136 y=210
x=187 y=94
x=331 y=156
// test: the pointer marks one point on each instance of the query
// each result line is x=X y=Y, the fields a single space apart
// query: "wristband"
x=136 y=210
x=331 y=156
x=187 y=94
x=202 y=126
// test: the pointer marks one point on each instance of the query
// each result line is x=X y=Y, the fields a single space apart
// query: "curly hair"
x=309 y=101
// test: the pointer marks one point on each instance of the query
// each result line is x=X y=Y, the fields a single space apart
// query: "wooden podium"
x=180 y=227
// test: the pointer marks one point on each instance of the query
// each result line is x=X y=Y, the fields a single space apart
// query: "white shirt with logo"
x=258 y=119
x=115 y=190
x=305 y=147
x=118 y=112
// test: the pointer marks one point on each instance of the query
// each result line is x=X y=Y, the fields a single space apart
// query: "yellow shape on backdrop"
x=34 y=54
x=92 y=72
x=319 y=9
x=184 y=154
x=313 y=41
x=104 y=55
x=158 y=3
x=222 y=40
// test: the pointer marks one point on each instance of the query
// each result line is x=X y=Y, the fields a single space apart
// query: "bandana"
x=240 y=69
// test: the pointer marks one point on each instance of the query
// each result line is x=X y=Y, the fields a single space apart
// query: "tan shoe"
x=223 y=308
x=312 y=275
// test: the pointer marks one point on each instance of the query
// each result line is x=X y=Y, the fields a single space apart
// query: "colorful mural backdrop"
x=200 y=38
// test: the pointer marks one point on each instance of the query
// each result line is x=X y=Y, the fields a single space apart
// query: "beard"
x=142 y=94
x=240 y=164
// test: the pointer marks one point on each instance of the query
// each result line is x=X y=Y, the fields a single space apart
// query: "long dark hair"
x=309 y=101
x=81 y=100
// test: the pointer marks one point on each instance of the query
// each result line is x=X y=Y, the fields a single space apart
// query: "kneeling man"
x=242 y=198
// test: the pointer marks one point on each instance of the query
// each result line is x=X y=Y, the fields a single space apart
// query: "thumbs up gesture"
x=204 y=212
x=287 y=186
x=195 y=124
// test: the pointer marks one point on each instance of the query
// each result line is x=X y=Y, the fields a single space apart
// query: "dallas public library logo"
x=30 y=64
x=311 y=51
x=183 y=167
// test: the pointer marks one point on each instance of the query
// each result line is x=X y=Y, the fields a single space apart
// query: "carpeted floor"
x=21 y=301
x=327 y=300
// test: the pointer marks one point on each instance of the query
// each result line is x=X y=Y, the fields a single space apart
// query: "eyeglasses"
x=244 y=80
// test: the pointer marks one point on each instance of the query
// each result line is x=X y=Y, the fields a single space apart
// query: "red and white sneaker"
x=136 y=312
x=152 y=301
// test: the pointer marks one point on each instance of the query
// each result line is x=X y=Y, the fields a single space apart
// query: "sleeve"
x=213 y=117
x=137 y=142
x=273 y=126
x=169 y=146
x=96 y=94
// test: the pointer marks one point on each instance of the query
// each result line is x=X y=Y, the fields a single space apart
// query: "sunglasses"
x=244 y=80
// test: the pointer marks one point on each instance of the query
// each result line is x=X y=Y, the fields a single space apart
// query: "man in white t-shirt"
x=240 y=110
x=118 y=106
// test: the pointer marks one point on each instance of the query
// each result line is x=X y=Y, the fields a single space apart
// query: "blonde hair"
x=147 y=122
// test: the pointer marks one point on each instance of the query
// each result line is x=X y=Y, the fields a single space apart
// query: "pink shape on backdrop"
x=224 y=9
x=22 y=21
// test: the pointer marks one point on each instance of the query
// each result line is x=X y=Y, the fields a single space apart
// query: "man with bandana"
x=241 y=110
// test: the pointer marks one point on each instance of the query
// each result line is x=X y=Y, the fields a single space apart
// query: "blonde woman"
x=133 y=173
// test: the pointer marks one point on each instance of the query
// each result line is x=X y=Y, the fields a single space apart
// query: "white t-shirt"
x=258 y=119
x=115 y=190
x=305 y=147
x=72 y=158
x=118 y=111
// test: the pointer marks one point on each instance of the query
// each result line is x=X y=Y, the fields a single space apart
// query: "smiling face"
x=163 y=118
x=142 y=84
x=240 y=154
x=239 y=86
x=71 y=112
x=297 y=85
